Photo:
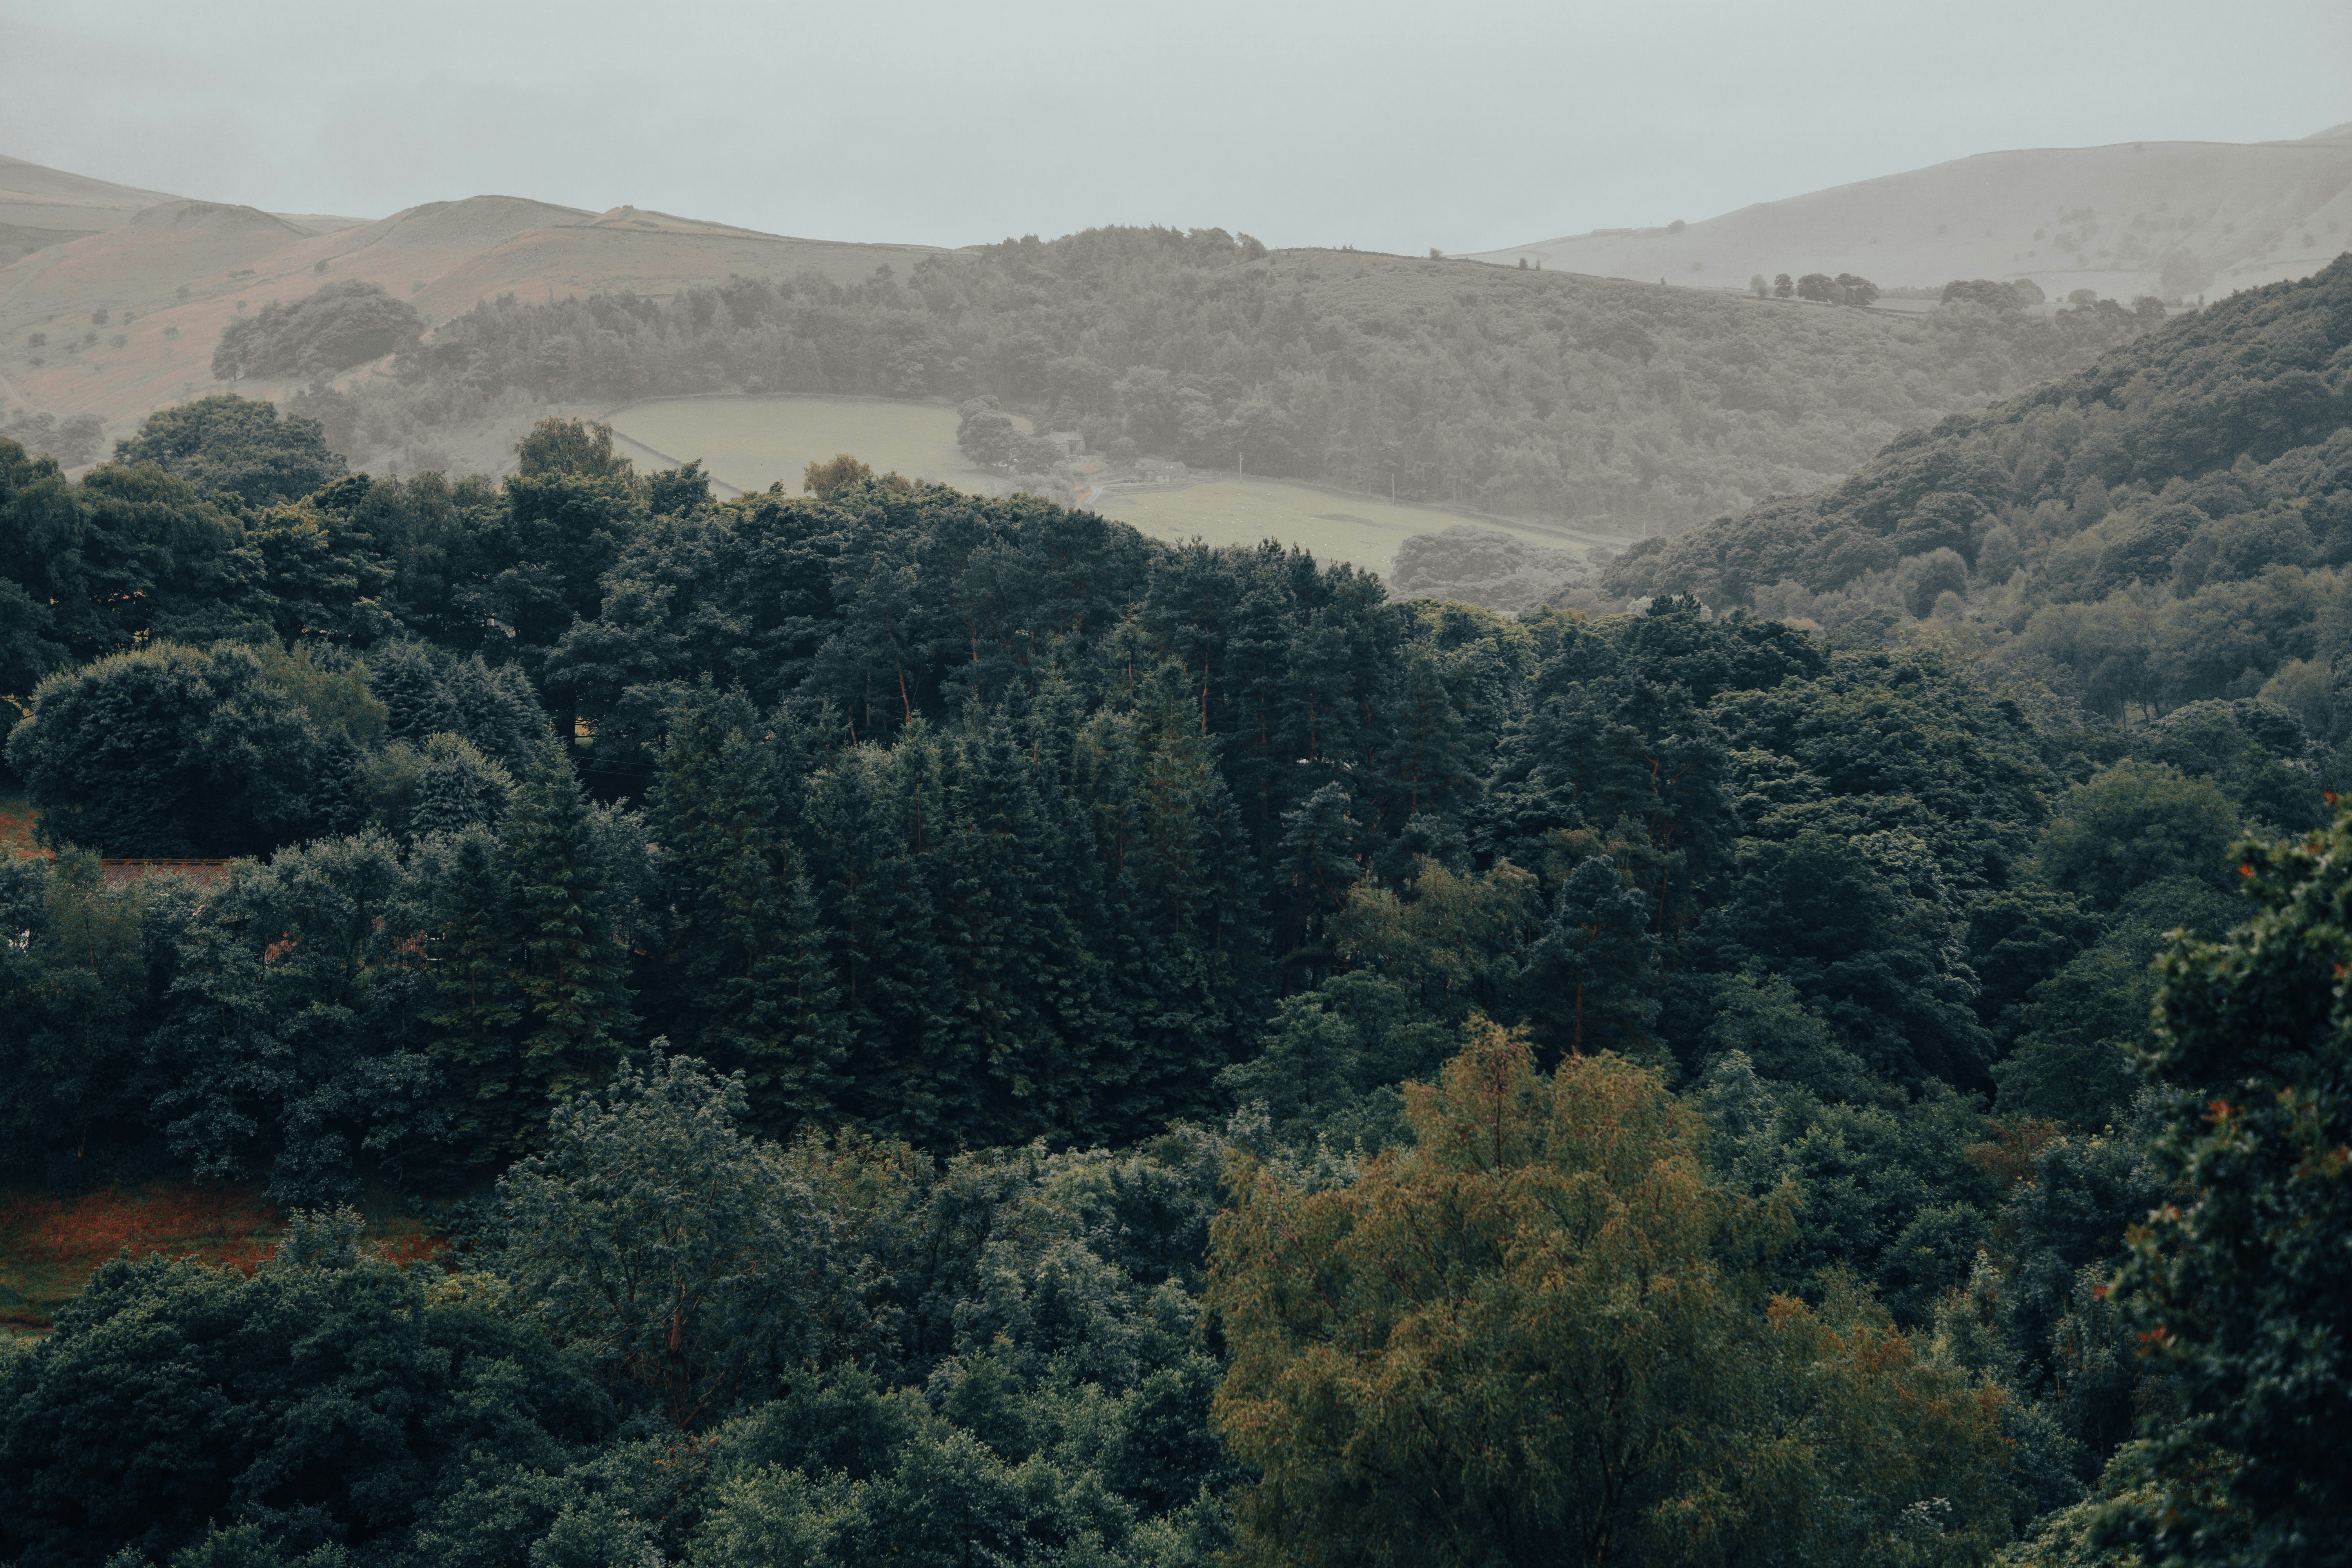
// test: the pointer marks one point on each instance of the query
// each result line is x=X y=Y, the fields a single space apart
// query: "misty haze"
x=1291 y=785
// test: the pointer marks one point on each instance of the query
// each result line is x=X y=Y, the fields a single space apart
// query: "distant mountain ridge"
x=2170 y=218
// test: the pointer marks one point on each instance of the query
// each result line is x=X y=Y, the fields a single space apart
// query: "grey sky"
x=1396 y=127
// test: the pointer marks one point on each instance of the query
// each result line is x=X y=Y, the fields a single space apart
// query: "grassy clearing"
x=16 y=819
x=1334 y=525
x=50 y=1246
x=751 y=442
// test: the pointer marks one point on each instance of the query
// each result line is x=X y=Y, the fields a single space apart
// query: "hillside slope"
x=2172 y=524
x=170 y=274
x=41 y=206
x=2170 y=218
x=1612 y=407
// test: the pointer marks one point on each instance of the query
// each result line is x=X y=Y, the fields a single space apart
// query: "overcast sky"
x=1465 y=124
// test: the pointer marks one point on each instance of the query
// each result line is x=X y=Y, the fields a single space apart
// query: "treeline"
x=1539 y=394
x=2168 y=527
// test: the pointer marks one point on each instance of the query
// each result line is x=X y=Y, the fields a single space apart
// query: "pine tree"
x=742 y=962
x=570 y=975
x=458 y=788
x=1024 y=1021
x=1317 y=867
x=406 y=678
x=872 y=885
x=475 y=953
x=1594 y=965
x=1430 y=761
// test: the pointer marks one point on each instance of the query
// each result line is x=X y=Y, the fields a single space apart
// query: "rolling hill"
x=169 y=273
x=2171 y=218
x=42 y=207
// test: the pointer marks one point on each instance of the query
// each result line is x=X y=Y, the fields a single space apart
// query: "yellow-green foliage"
x=1534 y=1337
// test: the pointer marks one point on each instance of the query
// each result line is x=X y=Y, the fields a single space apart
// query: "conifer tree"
x=1023 y=1025
x=1431 y=760
x=875 y=911
x=475 y=953
x=1592 y=967
x=571 y=971
x=744 y=977
x=1319 y=865
x=458 y=788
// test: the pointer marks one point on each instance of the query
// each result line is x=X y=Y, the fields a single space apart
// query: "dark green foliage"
x=2240 y=1281
x=744 y=952
x=1904 y=741
x=1592 y=964
x=1891 y=1195
x=445 y=785
x=234 y=447
x=2257 y=374
x=2134 y=824
x=427 y=691
x=1865 y=934
x=2258 y=753
x=565 y=916
x=290 y=1051
x=319 y=1403
x=2075 y=1058
x=342 y=325
x=171 y=751
x=683 y=1261
x=80 y=988
x=2019 y=937
x=88 y=567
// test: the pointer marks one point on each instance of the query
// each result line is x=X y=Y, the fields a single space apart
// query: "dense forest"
x=947 y=1032
x=1523 y=392
x=2169 y=526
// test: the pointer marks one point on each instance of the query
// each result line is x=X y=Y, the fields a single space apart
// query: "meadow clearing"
x=51 y=1241
x=747 y=443
x=1333 y=525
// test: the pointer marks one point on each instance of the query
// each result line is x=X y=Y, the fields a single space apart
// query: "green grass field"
x=747 y=443
x=1332 y=525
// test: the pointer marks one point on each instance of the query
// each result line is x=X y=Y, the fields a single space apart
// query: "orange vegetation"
x=231 y=1225
x=2008 y=1159
x=17 y=828
x=50 y=1246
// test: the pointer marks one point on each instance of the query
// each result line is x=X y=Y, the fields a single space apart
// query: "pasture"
x=1332 y=525
x=747 y=443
